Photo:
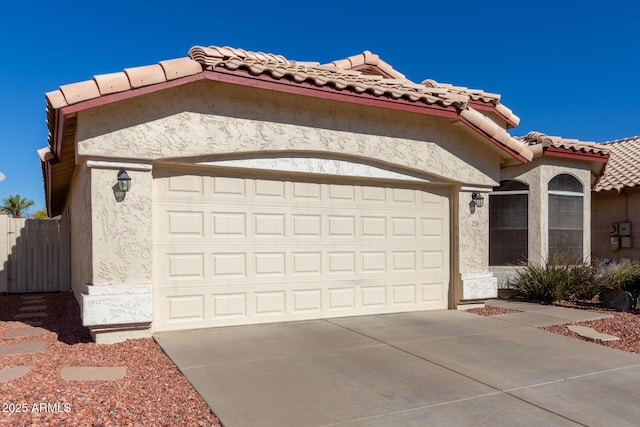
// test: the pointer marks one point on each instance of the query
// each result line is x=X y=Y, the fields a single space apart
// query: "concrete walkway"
x=412 y=369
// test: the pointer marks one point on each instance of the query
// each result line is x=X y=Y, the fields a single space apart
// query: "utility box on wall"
x=613 y=229
x=620 y=233
x=624 y=228
x=615 y=243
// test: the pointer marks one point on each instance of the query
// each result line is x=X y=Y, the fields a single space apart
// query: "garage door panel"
x=403 y=261
x=185 y=266
x=306 y=263
x=188 y=308
x=341 y=226
x=306 y=301
x=229 y=264
x=229 y=306
x=306 y=191
x=228 y=224
x=305 y=225
x=373 y=262
x=185 y=184
x=404 y=294
x=403 y=227
x=374 y=194
x=241 y=251
x=373 y=226
x=225 y=187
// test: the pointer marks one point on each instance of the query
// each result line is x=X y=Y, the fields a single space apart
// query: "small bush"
x=556 y=279
x=624 y=275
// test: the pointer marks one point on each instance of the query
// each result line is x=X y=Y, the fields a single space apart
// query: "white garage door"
x=231 y=250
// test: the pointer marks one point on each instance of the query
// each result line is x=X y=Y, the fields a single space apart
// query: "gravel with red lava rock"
x=624 y=325
x=153 y=392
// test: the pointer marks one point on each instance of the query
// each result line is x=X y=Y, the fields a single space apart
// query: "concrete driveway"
x=413 y=369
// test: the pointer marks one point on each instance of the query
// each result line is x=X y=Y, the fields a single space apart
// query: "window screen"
x=565 y=217
x=508 y=224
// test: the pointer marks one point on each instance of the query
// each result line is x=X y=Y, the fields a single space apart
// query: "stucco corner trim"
x=479 y=286
x=117 y=305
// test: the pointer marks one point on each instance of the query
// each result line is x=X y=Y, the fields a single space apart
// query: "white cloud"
x=2 y=177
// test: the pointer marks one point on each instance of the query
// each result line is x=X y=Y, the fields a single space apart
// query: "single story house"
x=615 y=203
x=265 y=190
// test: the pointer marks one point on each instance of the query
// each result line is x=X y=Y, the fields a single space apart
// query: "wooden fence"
x=34 y=255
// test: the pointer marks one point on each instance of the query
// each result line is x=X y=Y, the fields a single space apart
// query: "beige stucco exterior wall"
x=122 y=250
x=474 y=234
x=537 y=175
x=79 y=212
x=608 y=208
x=210 y=119
x=477 y=282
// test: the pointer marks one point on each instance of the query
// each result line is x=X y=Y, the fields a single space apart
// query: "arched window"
x=509 y=223
x=566 y=212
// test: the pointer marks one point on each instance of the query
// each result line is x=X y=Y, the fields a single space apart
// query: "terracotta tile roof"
x=623 y=168
x=348 y=74
x=361 y=73
x=534 y=139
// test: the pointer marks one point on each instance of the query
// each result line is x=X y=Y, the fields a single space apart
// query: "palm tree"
x=14 y=205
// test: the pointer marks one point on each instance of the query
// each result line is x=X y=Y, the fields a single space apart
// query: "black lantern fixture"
x=478 y=199
x=124 y=181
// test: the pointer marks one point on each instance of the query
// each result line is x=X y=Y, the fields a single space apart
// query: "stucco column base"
x=115 y=313
x=113 y=334
x=477 y=286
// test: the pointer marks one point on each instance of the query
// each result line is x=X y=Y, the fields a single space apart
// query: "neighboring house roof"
x=623 y=168
x=363 y=79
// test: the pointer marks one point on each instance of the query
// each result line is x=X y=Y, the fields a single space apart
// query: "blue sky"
x=565 y=68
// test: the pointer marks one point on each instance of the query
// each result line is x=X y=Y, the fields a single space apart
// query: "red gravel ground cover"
x=624 y=325
x=153 y=392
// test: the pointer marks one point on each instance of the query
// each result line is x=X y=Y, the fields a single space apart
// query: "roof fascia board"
x=570 y=154
x=59 y=126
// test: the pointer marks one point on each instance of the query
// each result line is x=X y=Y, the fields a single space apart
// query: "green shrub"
x=556 y=279
x=624 y=275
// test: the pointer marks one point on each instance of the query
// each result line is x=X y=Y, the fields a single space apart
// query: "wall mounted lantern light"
x=124 y=181
x=478 y=199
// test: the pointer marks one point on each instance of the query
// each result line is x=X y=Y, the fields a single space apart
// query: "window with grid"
x=509 y=224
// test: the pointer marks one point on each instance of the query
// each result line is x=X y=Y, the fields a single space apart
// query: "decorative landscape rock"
x=617 y=299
